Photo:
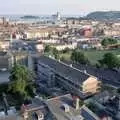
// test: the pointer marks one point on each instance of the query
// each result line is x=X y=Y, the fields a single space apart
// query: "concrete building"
x=112 y=32
x=37 y=34
x=49 y=41
x=76 y=81
x=61 y=47
x=43 y=32
x=63 y=109
x=36 y=110
x=56 y=17
x=4 y=45
x=4 y=61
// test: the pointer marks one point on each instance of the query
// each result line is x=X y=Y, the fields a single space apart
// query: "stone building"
x=76 y=81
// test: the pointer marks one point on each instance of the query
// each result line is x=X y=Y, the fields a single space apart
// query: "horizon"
x=47 y=14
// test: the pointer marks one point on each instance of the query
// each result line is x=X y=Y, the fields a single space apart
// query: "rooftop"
x=36 y=105
x=3 y=53
x=4 y=60
x=55 y=106
x=65 y=70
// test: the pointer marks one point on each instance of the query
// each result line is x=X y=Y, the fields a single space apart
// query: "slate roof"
x=88 y=114
x=55 y=106
x=65 y=70
x=4 y=63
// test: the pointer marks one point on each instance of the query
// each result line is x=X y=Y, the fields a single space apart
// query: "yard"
x=92 y=55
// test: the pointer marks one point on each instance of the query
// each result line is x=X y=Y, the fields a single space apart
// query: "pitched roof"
x=55 y=106
x=4 y=62
x=65 y=70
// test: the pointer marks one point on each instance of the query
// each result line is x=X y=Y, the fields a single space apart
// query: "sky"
x=66 y=7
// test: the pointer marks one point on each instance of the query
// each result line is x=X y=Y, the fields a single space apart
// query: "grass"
x=92 y=55
x=66 y=56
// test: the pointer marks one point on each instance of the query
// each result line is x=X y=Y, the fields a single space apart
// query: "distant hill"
x=30 y=17
x=101 y=15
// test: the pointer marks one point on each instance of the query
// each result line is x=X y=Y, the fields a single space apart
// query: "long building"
x=76 y=81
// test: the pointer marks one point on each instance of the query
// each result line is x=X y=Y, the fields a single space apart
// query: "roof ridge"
x=71 y=67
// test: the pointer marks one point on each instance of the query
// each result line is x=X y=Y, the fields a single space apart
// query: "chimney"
x=77 y=103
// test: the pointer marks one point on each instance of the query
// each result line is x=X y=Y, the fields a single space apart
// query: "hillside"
x=101 y=15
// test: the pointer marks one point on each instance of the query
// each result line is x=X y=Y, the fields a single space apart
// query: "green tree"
x=21 y=81
x=66 y=50
x=110 y=60
x=55 y=53
x=108 y=41
x=79 y=57
x=3 y=88
x=47 y=48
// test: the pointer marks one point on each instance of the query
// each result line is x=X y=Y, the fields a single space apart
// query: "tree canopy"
x=108 y=41
x=79 y=57
x=52 y=51
x=110 y=60
x=21 y=80
x=55 y=53
x=47 y=48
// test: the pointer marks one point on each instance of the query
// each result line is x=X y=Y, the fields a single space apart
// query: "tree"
x=110 y=60
x=66 y=50
x=47 y=48
x=55 y=53
x=108 y=41
x=3 y=88
x=79 y=57
x=21 y=80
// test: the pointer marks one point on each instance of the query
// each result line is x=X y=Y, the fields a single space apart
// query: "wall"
x=91 y=85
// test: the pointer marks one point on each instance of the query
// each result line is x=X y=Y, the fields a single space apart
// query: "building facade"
x=70 y=78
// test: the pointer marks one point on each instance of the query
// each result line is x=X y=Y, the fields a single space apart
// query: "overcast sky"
x=68 y=7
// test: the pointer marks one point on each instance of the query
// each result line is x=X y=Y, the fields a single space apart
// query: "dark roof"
x=4 y=61
x=3 y=53
x=65 y=70
x=88 y=114
x=4 y=77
